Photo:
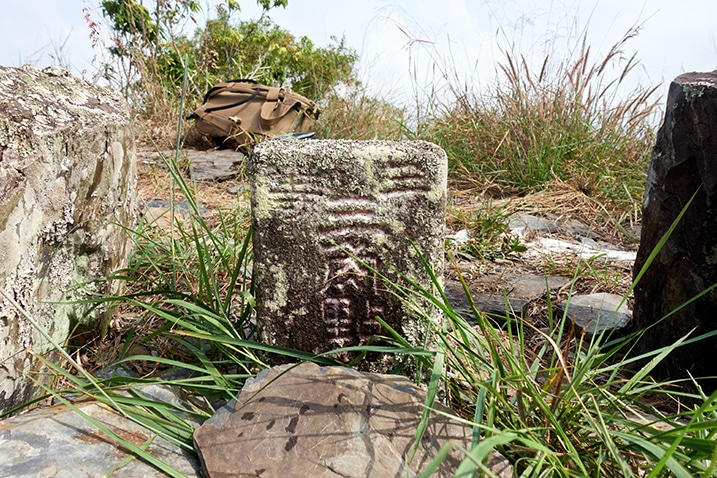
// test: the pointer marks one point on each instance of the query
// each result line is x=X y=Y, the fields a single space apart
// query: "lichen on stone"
x=68 y=148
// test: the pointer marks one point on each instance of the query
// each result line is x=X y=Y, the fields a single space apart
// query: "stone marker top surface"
x=317 y=169
x=43 y=101
x=707 y=77
x=694 y=83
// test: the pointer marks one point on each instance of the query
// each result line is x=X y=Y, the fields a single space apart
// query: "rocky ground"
x=545 y=248
x=513 y=249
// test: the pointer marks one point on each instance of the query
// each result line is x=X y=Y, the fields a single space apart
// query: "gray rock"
x=157 y=213
x=597 y=313
x=67 y=199
x=522 y=224
x=316 y=421
x=211 y=165
x=216 y=165
x=683 y=164
x=513 y=293
x=328 y=218
x=237 y=188
x=180 y=207
x=576 y=228
x=59 y=442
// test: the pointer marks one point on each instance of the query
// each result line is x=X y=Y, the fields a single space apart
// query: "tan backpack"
x=241 y=112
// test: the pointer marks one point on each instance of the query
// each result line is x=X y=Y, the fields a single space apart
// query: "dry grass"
x=354 y=114
x=562 y=123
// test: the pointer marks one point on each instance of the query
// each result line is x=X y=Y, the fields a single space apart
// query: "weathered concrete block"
x=67 y=187
x=684 y=162
x=327 y=216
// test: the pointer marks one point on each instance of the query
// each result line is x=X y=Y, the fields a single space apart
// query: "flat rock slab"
x=330 y=218
x=523 y=224
x=217 y=165
x=306 y=420
x=58 y=442
x=512 y=292
x=212 y=165
x=597 y=313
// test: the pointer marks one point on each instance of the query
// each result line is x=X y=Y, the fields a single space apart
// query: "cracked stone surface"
x=59 y=442
x=329 y=219
x=307 y=420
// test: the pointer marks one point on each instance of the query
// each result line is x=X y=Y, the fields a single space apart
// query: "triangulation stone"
x=330 y=217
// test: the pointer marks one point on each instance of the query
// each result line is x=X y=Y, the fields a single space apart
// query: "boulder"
x=67 y=191
x=307 y=420
x=330 y=218
x=683 y=165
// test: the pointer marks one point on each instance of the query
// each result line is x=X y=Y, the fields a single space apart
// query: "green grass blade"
x=435 y=463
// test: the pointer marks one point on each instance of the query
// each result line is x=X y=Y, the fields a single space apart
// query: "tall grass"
x=351 y=113
x=186 y=321
x=565 y=120
x=570 y=406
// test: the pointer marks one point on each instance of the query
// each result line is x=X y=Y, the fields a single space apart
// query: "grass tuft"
x=565 y=121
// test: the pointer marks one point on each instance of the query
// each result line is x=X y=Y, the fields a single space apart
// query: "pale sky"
x=406 y=44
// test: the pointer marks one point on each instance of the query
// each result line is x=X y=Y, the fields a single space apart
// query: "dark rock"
x=306 y=420
x=684 y=163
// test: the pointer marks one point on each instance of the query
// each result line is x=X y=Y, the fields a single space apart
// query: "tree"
x=269 y=54
x=151 y=51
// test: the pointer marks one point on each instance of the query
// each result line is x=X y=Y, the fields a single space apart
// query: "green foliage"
x=150 y=53
x=489 y=231
x=261 y=50
x=130 y=20
x=559 y=404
